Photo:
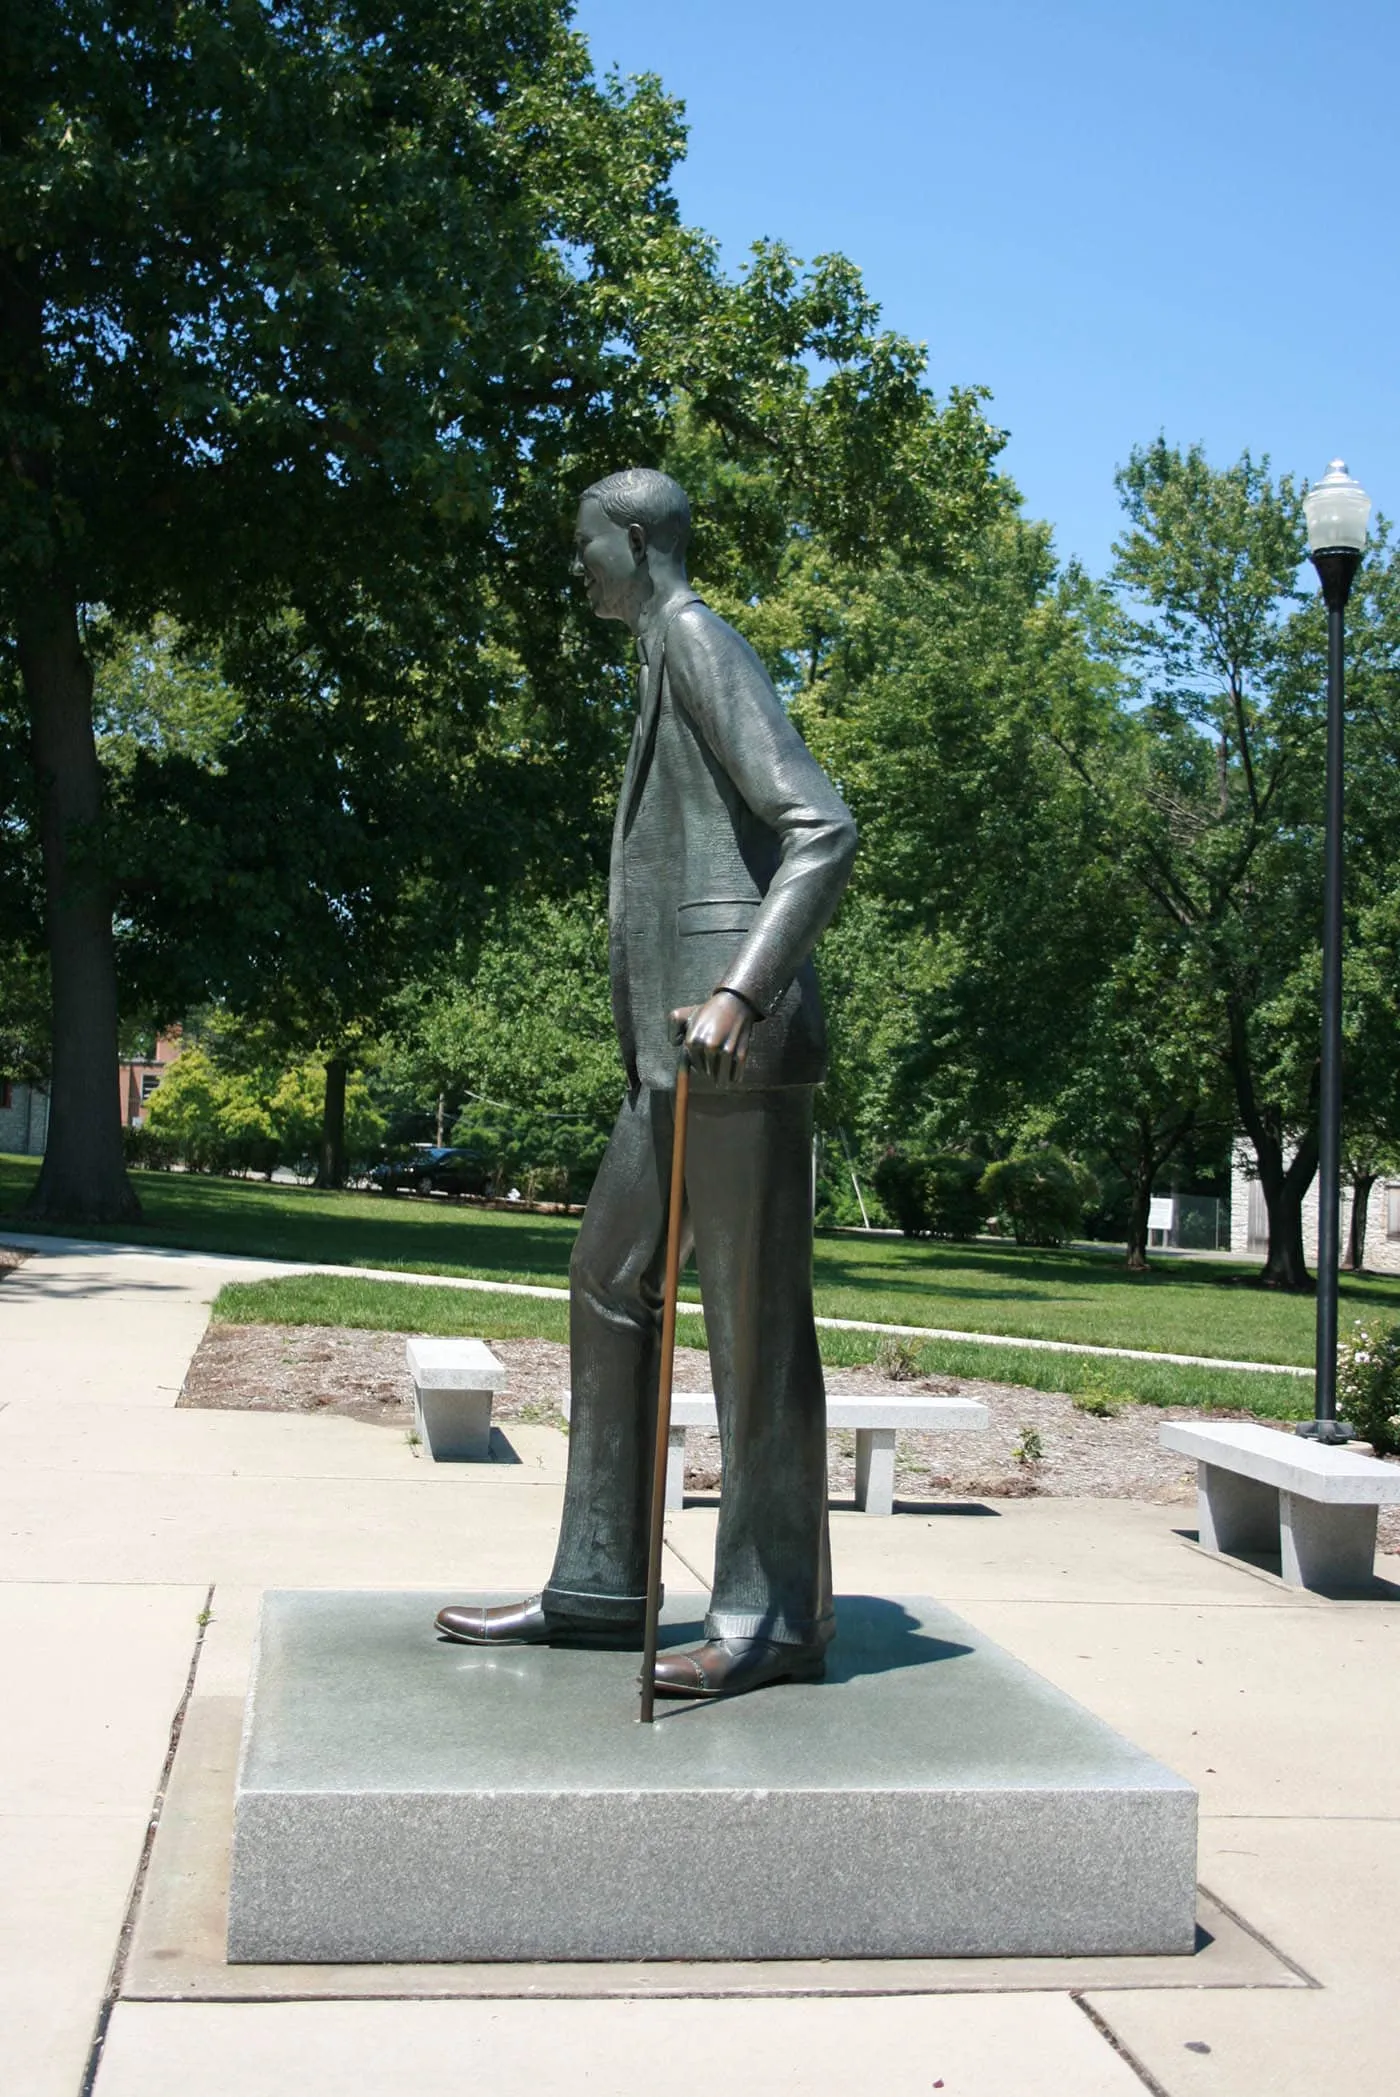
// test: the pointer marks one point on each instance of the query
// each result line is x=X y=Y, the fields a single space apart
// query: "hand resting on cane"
x=715 y=1034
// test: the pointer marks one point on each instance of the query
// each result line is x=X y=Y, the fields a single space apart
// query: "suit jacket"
x=730 y=852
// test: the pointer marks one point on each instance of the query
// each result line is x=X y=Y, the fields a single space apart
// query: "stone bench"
x=1261 y=1490
x=453 y=1384
x=876 y=1422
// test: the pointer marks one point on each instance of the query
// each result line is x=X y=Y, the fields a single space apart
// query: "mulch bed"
x=363 y=1376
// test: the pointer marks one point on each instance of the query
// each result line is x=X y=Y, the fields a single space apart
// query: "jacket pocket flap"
x=717 y=914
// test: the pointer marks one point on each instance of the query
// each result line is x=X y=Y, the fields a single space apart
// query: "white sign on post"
x=1161 y=1213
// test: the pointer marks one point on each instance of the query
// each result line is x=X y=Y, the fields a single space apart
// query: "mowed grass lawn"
x=419 y=1307
x=1183 y=1307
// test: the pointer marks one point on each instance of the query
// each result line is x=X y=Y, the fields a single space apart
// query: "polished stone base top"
x=403 y=1799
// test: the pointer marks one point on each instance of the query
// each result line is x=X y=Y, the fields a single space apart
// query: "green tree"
x=293 y=302
x=220 y=1108
x=313 y=322
x=1215 y=814
x=1146 y=1077
x=965 y=962
x=525 y=1024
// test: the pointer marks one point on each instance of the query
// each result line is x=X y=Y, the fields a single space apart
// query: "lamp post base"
x=1333 y=1432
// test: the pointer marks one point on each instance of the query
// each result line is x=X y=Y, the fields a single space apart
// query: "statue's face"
x=606 y=560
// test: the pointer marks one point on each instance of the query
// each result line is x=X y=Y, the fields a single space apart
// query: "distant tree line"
x=314 y=323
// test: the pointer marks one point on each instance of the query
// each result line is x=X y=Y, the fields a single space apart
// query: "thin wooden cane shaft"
x=663 y=1396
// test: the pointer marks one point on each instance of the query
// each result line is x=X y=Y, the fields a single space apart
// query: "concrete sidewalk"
x=119 y=1514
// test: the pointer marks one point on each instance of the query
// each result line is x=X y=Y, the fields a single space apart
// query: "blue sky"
x=1153 y=214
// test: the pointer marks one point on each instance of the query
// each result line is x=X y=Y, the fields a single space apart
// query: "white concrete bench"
x=876 y=1421
x=1261 y=1490
x=453 y=1384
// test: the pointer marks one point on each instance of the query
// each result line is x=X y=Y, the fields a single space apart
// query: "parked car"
x=460 y=1171
x=436 y=1170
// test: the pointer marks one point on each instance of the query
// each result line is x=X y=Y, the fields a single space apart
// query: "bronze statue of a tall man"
x=729 y=856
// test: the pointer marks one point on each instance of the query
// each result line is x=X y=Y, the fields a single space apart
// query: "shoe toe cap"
x=680 y=1671
x=457 y=1620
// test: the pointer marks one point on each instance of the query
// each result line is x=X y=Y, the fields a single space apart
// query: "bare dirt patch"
x=363 y=1375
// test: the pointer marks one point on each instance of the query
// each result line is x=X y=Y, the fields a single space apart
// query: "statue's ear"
x=637 y=540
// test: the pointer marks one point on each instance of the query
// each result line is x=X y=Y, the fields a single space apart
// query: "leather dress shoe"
x=528 y=1623
x=726 y=1667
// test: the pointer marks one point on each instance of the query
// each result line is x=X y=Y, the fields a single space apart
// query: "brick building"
x=138 y=1080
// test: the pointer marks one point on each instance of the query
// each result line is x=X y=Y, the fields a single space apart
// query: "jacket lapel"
x=648 y=713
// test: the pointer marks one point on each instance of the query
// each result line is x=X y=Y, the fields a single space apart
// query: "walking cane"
x=663 y=1395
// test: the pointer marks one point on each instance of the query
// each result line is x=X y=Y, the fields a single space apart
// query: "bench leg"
x=454 y=1427
x=1233 y=1514
x=1326 y=1546
x=875 y=1470
x=675 y=1469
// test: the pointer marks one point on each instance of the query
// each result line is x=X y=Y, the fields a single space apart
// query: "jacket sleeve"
x=725 y=689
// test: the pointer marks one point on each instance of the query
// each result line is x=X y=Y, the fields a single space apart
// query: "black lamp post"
x=1337 y=510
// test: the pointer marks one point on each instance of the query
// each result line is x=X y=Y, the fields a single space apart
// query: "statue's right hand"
x=716 y=1034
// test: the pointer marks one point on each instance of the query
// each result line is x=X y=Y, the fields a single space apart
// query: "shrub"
x=953 y=1180
x=896 y=1359
x=899 y=1182
x=1099 y=1405
x=147 y=1149
x=1039 y=1196
x=933 y=1194
x=1368 y=1384
x=232 y=1121
x=1102 y=1393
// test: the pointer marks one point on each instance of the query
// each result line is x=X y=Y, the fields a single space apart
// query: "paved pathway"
x=119 y=1513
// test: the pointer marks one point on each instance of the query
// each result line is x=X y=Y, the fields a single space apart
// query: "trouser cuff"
x=780 y=1630
x=580 y=1608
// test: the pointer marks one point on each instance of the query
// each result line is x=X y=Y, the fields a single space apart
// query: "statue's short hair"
x=643 y=496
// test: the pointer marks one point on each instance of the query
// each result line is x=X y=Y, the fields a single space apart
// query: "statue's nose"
x=576 y=568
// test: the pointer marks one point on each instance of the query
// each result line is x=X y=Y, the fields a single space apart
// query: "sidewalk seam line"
x=117 y=1972
x=1258 y=1935
x=1120 y=2047
x=694 y=1571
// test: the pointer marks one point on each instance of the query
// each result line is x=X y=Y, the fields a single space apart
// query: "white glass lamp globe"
x=1337 y=510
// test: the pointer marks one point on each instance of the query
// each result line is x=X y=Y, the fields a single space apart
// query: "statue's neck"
x=656 y=612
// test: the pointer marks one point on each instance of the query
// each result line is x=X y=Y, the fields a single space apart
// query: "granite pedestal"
x=402 y=1798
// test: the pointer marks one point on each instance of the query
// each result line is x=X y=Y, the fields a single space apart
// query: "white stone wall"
x=24 y=1124
x=1382 y=1252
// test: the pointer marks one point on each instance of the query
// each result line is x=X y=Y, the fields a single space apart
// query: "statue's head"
x=630 y=540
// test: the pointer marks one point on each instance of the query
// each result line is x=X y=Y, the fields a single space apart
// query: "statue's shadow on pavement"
x=874 y=1636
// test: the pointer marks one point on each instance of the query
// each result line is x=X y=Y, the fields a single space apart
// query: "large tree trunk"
x=1140 y=1180
x=1140 y=1167
x=83 y=1177
x=1283 y=1185
x=331 y=1170
x=1361 y=1185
